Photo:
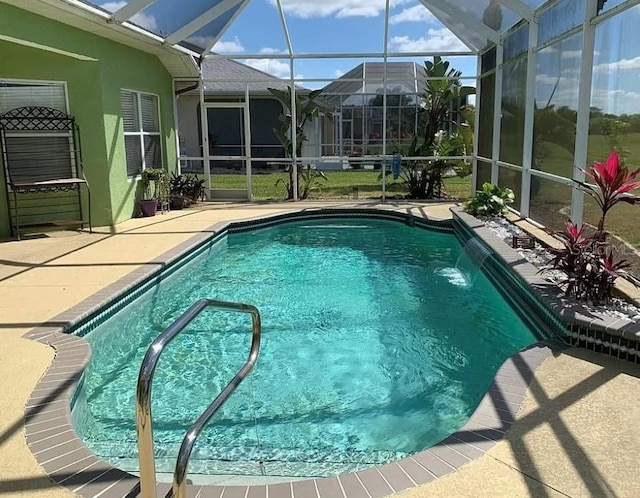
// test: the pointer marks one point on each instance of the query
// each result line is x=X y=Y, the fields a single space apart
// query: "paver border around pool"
x=58 y=449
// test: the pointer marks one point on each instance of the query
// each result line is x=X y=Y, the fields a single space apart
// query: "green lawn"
x=339 y=185
x=551 y=202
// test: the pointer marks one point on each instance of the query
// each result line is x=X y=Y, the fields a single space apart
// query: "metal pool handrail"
x=143 y=396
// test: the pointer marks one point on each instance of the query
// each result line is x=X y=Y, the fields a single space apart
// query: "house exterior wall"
x=93 y=91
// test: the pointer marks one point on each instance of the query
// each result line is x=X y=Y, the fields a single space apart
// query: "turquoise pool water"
x=374 y=347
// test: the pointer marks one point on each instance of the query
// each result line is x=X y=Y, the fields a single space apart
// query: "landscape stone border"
x=592 y=330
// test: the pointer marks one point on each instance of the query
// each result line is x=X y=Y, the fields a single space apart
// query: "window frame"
x=141 y=133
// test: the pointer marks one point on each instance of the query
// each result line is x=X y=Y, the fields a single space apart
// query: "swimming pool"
x=374 y=348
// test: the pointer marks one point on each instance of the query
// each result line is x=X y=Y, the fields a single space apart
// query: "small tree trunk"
x=600 y=235
x=290 y=186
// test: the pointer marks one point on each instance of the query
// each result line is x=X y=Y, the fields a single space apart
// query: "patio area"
x=576 y=434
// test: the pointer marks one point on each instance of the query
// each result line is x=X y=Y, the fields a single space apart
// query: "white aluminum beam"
x=126 y=12
x=235 y=16
x=201 y=21
x=497 y=115
x=476 y=127
x=294 y=129
x=285 y=29
x=584 y=103
x=384 y=101
x=529 y=121
x=467 y=19
x=247 y=142
x=204 y=138
x=520 y=8
x=371 y=55
x=294 y=116
x=176 y=125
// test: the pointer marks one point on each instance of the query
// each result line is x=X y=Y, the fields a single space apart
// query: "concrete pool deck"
x=575 y=436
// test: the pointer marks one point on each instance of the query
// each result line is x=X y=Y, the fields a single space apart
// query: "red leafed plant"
x=613 y=183
x=590 y=270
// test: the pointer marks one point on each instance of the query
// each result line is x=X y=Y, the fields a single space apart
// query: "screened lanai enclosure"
x=534 y=91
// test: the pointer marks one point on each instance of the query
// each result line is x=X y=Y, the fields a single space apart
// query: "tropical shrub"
x=589 y=268
x=443 y=106
x=188 y=186
x=490 y=201
x=613 y=182
x=309 y=180
x=194 y=188
x=443 y=96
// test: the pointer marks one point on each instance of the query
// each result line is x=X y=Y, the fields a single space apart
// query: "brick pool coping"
x=56 y=446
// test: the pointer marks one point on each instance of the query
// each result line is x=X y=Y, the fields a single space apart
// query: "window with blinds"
x=24 y=94
x=38 y=155
x=141 y=124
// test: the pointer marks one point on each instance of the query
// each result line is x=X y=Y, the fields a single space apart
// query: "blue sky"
x=323 y=26
x=335 y=27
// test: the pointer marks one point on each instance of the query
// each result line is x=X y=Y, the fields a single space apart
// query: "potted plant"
x=194 y=188
x=177 y=191
x=154 y=181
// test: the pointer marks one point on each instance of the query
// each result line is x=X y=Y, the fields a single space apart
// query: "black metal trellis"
x=41 y=153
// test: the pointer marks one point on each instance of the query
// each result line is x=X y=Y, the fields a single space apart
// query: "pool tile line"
x=72 y=465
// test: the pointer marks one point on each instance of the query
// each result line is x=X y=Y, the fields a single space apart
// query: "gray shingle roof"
x=222 y=70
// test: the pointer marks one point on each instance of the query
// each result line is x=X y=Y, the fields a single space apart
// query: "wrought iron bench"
x=41 y=158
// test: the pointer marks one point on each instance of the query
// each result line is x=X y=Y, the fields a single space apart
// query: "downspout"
x=195 y=86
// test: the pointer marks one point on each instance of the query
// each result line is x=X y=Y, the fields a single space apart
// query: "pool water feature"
x=469 y=264
x=369 y=353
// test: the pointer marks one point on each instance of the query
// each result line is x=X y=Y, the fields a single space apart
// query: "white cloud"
x=621 y=65
x=228 y=47
x=417 y=13
x=337 y=8
x=616 y=101
x=436 y=40
x=270 y=50
x=143 y=20
x=571 y=54
x=546 y=79
x=338 y=73
x=272 y=66
x=610 y=101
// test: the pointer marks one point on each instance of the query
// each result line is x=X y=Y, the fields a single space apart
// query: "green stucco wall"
x=93 y=89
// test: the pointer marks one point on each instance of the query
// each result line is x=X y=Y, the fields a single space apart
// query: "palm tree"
x=444 y=96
